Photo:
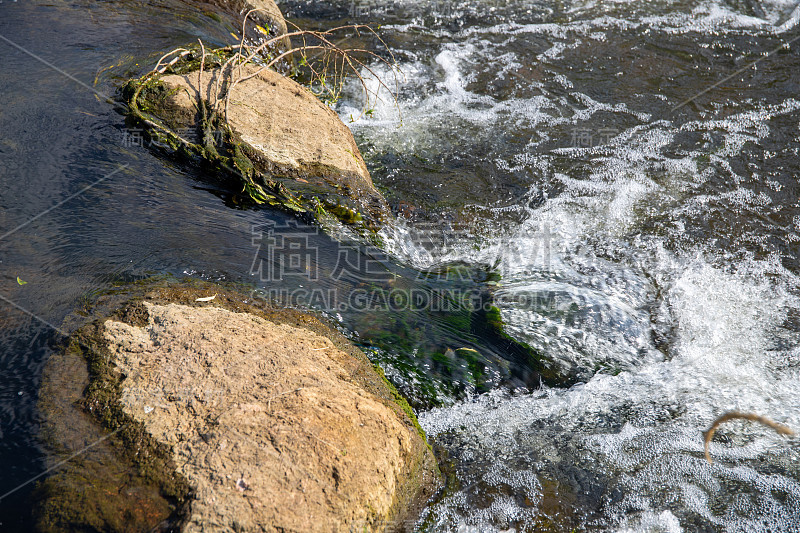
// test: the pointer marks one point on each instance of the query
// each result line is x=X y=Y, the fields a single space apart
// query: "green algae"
x=402 y=403
x=452 y=347
x=492 y=326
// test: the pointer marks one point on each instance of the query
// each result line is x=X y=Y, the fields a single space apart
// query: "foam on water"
x=638 y=433
x=611 y=275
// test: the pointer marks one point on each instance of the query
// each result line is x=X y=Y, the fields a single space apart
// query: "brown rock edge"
x=242 y=418
x=268 y=15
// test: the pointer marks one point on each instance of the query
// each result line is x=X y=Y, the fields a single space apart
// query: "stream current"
x=619 y=177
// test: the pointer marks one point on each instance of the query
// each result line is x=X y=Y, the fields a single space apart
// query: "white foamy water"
x=633 y=270
x=639 y=433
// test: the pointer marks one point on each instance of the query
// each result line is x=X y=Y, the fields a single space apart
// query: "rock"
x=275 y=421
x=268 y=14
x=288 y=131
x=278 y=142
x=94 y=490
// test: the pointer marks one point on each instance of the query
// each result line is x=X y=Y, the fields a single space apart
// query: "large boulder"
x=272 y=420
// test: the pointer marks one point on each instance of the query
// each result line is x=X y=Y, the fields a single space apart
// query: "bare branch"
x=733 y=415
x=329 y=66
x=181 y=51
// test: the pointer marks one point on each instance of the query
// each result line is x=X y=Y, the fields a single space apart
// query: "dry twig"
x=733 y=415
x=329 y=57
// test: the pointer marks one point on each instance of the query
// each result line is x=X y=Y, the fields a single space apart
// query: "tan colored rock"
x=276 y=143
x=290 y=131
x=274 y=426
x=266 y=8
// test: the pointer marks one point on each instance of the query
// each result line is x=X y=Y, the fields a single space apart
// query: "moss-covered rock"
x=260 y=132
x=451 y=342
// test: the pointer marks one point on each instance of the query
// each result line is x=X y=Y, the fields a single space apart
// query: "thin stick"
x=733 y=415
x=231 y=73
x=183 y=52
x=219 y=79
x=234 y=82
x=200 y=74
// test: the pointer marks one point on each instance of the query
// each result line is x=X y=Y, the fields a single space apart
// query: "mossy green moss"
x=492 y=325
x=402 y=403
x=454 y=343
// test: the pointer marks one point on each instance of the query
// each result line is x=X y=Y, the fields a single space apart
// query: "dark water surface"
x=644 y=223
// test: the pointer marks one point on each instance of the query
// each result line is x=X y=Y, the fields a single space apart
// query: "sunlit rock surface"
x=270 y=425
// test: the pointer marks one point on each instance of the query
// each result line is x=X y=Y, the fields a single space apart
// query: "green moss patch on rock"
x=452 y=343
x=491 y=325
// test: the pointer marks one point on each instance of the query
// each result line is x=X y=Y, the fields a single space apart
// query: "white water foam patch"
x=439 y=113
x=736 y=130
x=697 y=15
x=431 y=120
x=650 y=522
x=588 y=313
x=624 y=170
x=566 y=309
x=700 y=17
x=632 y=170
x=791 y=21
x=639 y=432
x=745 y=126
x=437 y=110
x=705 y=18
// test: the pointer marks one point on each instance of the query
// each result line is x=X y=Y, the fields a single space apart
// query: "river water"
x=621 y=177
